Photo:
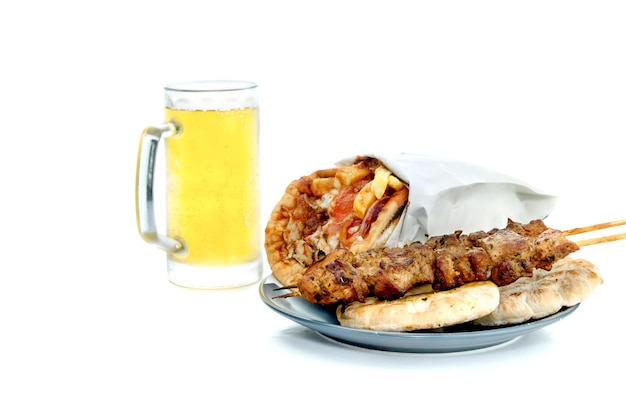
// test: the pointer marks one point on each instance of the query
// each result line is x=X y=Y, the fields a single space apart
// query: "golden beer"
x=212 y=186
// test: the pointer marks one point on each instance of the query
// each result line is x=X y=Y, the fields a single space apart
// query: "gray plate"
x=444 y=340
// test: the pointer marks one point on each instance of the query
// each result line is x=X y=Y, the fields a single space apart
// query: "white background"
x=89 y=325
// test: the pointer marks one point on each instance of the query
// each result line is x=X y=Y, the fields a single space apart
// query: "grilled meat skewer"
x=445 y=262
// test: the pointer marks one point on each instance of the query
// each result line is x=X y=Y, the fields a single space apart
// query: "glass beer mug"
x=211 y=136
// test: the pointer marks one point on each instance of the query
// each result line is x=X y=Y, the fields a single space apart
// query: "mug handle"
x=144 y=182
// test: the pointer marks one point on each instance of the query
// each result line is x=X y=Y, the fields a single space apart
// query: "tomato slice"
x=342 y=213
x=343 y=204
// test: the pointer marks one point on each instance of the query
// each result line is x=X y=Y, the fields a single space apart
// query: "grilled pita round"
x=568 y=283
x=422 y=308
x=355 y=207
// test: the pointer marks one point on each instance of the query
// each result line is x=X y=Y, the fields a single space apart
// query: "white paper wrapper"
x=450 y=195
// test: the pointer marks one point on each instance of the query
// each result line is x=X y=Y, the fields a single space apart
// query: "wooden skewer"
x=599 y=240
x=597 y=227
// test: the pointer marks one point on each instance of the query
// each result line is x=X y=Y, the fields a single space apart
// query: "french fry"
x=321 y=186
x=380 y=182
x=352 y=174
x=363 y=200
x=395 y=183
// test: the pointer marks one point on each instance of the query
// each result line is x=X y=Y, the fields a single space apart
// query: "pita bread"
x=422 y=308
x=287 y=253
x=568 y=283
